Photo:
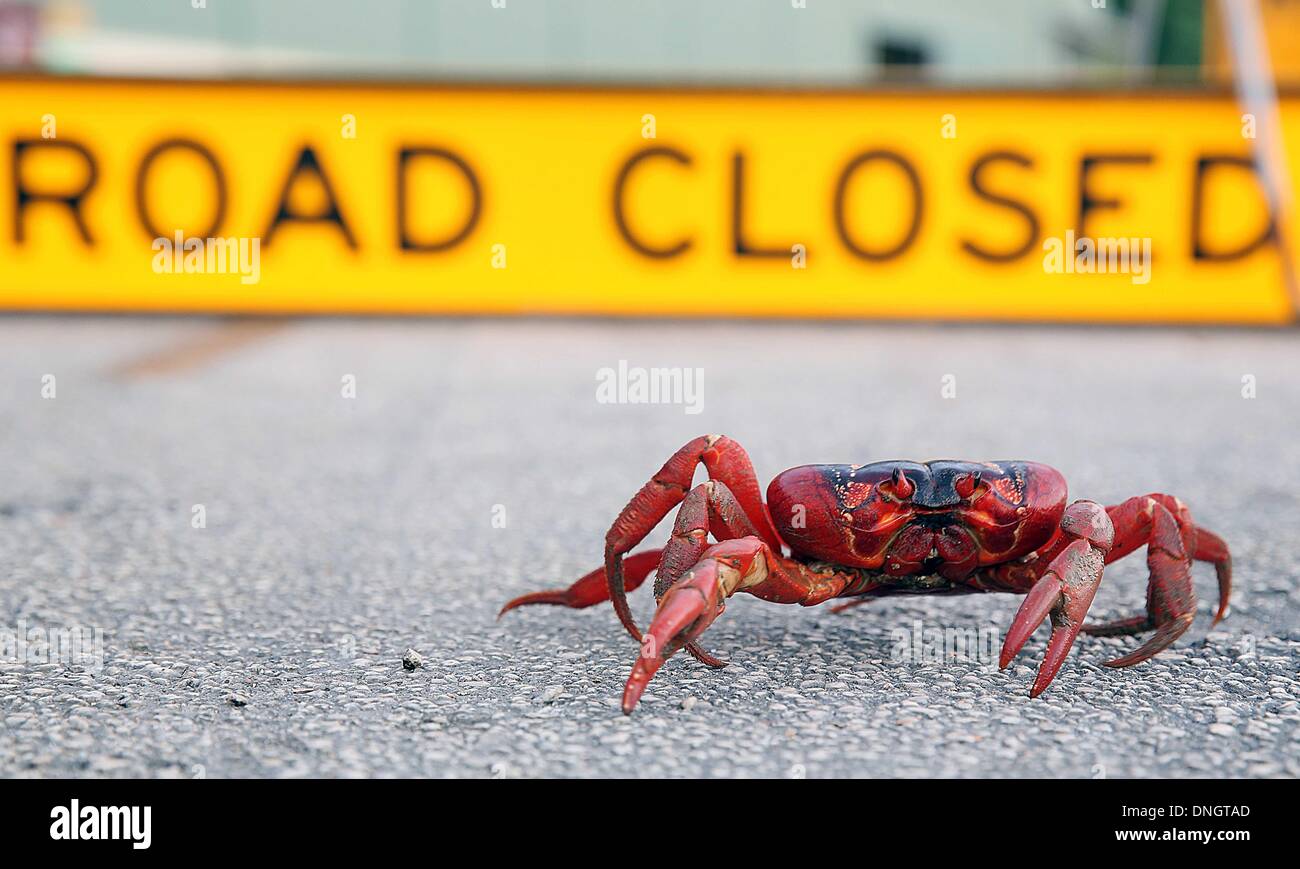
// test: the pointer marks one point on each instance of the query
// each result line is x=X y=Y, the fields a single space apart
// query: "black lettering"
x=404 y=156
x=1199 y=250
x=742 y=247
x=841 y=192
x=307 y=162
x=1089 y=203
x=1031 y=220
x=142 y=180
x=72 y=200
x=620 y=216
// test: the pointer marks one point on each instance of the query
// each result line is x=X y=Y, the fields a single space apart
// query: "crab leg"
x=1163 y=525
x=726 y=462
x=688 y=608
x=710 y=506
x=1211 y=547
x=1064 y=591
x=592 y=588
x=699 y=596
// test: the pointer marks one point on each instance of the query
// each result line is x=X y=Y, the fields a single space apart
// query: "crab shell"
x=906 y=518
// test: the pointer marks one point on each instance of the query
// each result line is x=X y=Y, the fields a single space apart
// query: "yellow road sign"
x=185 y=196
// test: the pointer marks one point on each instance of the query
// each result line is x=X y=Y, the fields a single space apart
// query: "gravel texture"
x=341 y=532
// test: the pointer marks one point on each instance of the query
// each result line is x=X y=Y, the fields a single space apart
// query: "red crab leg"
x=592 y=588
x=709 y=507
x=1064 y=591
x=1163 y=525
x=726 y=462
x=699 y=596
x=1211 y=547
x=1133 y=528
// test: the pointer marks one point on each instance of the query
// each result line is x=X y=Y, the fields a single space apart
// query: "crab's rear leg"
x=1064 y=591
x=592 y=588
x=699 y=595
x=1163 y=525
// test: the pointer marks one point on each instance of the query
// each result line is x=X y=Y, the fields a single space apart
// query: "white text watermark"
x=634 y=385
x=209 y=256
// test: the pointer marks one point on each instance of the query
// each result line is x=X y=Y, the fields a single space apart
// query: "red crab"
x=898 y=527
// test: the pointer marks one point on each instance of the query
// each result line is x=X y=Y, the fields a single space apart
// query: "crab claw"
x=1064 y=592
x=1066 y=600
x=687 y=609
x=692 y=603
x=1045 y=595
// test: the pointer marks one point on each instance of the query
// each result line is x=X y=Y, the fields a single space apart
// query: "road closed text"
x=321 y=198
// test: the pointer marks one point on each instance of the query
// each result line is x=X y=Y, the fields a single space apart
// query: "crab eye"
x=965 y=484
x=903 y=487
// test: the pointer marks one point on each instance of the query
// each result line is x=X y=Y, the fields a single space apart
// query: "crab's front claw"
x=685 y=611
x=1065 y=592
x=1041 y=600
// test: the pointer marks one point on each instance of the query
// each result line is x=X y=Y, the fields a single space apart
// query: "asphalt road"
x=342 y=531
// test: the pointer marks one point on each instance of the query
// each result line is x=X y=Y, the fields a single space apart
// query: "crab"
x=893 y=527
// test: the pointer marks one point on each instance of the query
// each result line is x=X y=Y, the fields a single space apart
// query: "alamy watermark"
x=919 y=644
x=130 y=823
x=634 y=385
x=1086 y=256
x=212 y=256
x=73 y=646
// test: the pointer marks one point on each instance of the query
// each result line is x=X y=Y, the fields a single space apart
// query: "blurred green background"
x=837 y=42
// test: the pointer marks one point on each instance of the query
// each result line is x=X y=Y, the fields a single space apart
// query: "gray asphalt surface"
x=341 y=532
